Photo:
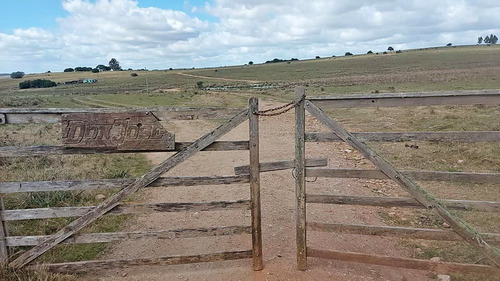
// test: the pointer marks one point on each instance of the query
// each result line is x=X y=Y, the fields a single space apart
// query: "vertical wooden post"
x=300 y=182
x=255 y=183
x=4 y=251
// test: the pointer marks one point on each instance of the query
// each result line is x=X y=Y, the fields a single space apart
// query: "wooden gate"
x=112 y=205
x=419 y=198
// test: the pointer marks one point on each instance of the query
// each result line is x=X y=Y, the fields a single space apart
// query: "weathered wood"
x=37 y=186
x=134 y=235
x=437 y=267
x=172 y=260
x=53 y=115
x=254 y=171
x=130 y=131
x=15 y=151
x=300 y=179
x=114 y=200
x=469 y=136
x=414 y=175
x=281 y=165
x=4 y=251
x=461 y=205
x=467 y=232
x=2 y=119
x=393 y=231
x=410 y=99
x=123 y=209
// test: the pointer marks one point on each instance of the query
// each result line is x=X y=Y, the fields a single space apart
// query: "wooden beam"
x=489 y=97
x=53 y=115
x=254 y=171
x=469 y=136
x=38 y=186
x=86 y=238
x=115 y=199
x=281 y=165
x=300 y=179
x=83 y=266
x=123 y=209
x=414 y=175
x=393 y=231
x=461 y=205
x=20 y=151
x=437 y=267
x=466 y=231
x=4 y=251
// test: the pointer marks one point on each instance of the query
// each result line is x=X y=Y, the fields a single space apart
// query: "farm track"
x=219 y=78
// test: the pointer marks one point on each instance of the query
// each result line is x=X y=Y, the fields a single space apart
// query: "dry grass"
x=10 y=274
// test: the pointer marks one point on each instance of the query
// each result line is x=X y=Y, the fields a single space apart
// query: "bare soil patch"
x=278 y=214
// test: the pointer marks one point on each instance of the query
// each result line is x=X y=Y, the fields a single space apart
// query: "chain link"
x=284 y=108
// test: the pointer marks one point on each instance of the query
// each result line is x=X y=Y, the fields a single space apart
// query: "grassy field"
x=456 y=68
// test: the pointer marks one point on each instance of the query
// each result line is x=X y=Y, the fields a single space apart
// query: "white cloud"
x=257 y=30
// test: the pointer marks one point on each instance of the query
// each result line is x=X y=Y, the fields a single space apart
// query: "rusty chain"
x=284 y=108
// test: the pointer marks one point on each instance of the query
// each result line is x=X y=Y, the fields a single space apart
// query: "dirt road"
x=278 y=218
x=218 y=78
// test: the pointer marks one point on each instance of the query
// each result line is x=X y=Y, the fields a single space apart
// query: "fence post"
x=4 y=251
x=255 y=183
x=300 y=183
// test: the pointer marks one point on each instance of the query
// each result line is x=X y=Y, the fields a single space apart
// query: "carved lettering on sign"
x=120 y=131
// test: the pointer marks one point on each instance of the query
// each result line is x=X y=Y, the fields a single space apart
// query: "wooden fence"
x=418 y=199
x=113 y=205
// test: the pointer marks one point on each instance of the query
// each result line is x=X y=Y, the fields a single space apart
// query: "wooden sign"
x=118 y=131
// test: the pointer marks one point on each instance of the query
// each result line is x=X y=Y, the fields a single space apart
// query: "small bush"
x=38 y=83
x=134 y=74
x=17 y=75
x=83 y=68
x=318 y=57
x=348 y=54
x=199 y=84
x=95 y=70
x=370 y=52
x=398 y=52
x=69 y=69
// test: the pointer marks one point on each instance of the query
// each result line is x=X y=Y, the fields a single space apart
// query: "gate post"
x=300 y=183
x=4 y=250
x=253 y=126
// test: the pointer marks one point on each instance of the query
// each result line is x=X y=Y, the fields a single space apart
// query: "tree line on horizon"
x=113 y=65
x=492 y=39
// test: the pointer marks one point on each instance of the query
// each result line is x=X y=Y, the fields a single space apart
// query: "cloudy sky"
x=37 y=36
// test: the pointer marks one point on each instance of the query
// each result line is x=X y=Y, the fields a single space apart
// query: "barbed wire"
x=284 y=108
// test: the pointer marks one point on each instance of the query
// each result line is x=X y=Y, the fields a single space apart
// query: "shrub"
x=318 y=57
x=69 y=69
x=398 y=52
x=17 y=75
x=390 y=48
x=95 y=70
x=83 y=68
x=250 y=62
x=348 y=54
x=448 y=45
x=38 y=83
x=199 y=84
x=370 y=52
x=134 y=74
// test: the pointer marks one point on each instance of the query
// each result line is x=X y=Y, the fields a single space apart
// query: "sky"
x=51 y=35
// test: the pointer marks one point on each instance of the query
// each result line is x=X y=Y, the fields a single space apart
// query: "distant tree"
x=69 y=69
x=250 y=62
x=114 y=65
x=390 y=48
x=95 y=70
x=494 y=40
x=370 y=52
x=294 y=59
x=102 y=67
x=398 y=52
x=486 y=40
x=448 y=45
x=385 y=53
x=83 y=68
x=480 y=39
x=318 y=57
x=134 y=74
x=348 y=54
x=17 y=75
x=199 y=84
x=38 y=83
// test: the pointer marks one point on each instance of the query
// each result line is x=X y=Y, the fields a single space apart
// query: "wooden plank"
x=434 y=266
x=4 y=251
x=254 y=171
x=130 y=131
x=15 y=151
x=133 y=235
x=466 y=231
x=38 y=186
x=300 y=179
x=393 y=231
x=489 y=97
x=461 y=205
x=123 y=209
x=115 y=199
x=414 y=175
x=469 y=136
x=83 y=266
x=281 y=165
x=2 y=119
x=53 y=115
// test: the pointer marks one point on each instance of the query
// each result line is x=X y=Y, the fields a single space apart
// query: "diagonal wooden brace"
x=468 y=233
x=143 y=181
